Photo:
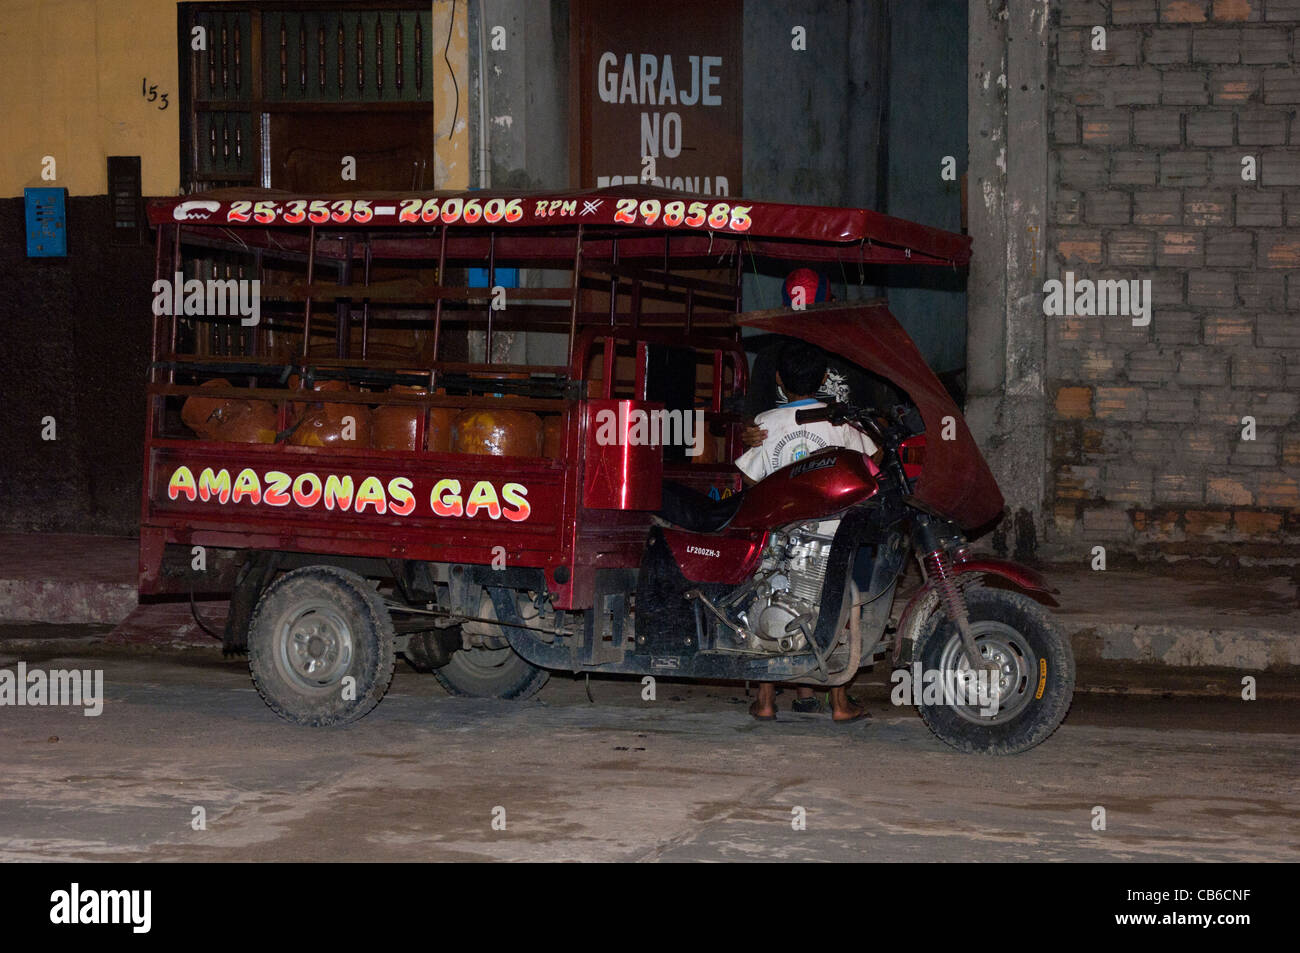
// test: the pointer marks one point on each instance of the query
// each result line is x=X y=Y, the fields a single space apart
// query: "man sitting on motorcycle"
x=845 y=382
x=801 y=372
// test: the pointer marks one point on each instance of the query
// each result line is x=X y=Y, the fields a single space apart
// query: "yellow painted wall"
x=451 y=146
x=70 y=74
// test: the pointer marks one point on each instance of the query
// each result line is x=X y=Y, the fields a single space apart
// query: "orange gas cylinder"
x=442 y=420
x=298 y=408
x=326 y=427
x=499 y=433
x=333 y=425
x=202 y=414
x=252 y=421
x=395 y=426
x=552 y=436
x=228 y=419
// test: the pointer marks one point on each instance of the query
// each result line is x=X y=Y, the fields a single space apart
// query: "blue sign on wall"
x=47 y=222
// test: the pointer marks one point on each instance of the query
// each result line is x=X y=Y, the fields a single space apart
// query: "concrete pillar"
x=525 y=115
x=1007 y=213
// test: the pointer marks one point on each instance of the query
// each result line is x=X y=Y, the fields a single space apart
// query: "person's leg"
x=842 y=708
x=764 y=706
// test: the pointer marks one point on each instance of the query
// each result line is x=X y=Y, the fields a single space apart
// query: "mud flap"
x=253 y=577
x=604 y=638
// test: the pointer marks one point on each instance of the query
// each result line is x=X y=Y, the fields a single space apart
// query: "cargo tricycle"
x=493 y=433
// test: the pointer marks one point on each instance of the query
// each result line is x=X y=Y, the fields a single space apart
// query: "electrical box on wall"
x=47 y=222
x=124 y=192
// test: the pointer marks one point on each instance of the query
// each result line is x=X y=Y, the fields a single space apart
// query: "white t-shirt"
x=788 y=441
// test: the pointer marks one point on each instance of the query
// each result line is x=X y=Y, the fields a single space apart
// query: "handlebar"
x=836 y=413
x=905 y=417
x=903 y=422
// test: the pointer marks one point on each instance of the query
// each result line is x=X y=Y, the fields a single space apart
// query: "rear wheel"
x=320 y=646
x=491 y=673
x=1027 y=698
x=491 y=669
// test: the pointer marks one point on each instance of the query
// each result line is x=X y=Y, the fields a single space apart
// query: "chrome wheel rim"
x=980 y=698
x=316 y=645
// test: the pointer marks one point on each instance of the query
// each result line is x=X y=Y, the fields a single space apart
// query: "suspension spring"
x=938 y=566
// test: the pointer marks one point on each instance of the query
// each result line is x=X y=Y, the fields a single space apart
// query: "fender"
x=925 y=600
x=1022 y=576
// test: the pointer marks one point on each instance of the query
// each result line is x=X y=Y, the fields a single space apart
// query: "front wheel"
x=1004 y=712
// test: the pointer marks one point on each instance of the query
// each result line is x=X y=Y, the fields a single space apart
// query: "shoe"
x=808 y=706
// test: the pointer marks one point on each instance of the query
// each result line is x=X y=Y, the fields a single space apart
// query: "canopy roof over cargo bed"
x=647 y=222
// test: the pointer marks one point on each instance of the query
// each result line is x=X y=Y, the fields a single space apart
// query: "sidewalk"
x=1177 y=616
x=68 y=579
x=1183 y=616
x=56 y=577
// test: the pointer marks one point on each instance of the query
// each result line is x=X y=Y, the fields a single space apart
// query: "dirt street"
x=688 y=776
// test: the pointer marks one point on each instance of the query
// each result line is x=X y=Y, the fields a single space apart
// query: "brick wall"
x=1147 y=140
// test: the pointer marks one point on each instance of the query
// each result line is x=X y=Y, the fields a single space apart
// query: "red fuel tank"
x=812 y=488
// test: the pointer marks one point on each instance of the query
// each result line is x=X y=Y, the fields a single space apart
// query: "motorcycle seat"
x=697 y=512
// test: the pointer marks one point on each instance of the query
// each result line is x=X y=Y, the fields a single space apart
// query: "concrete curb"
x=74 y=603
x=67 y=578
x=1246 y=648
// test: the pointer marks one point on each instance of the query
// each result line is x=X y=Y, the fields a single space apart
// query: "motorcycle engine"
x=784 y=609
